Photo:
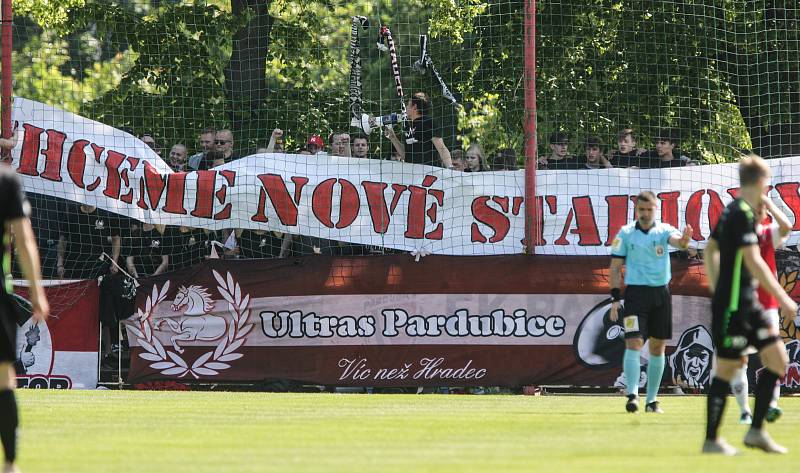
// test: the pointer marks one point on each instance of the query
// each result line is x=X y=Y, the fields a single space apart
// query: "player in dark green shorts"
x=733 y=261
x=14 y=220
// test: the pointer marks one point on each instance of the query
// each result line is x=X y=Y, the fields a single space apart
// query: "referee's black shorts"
x=8 y=329
x=648 y=312
x=735 y=332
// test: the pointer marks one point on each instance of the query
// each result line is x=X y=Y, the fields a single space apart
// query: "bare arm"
x=131 y=267
x=711 y=263
x=276 y=133
x=615 y=282
x=286 y=245
x=163 y=266
x=784 y=226
x=28 y=256
x=389 y=133
x=682 y=242
x=766 y=278
x=116 y=245
x=61 y=249
x=444 y=153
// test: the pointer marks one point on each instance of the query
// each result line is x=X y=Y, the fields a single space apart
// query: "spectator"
x=314 y=145
x=506 y=160
x=666 y=154
x=276 y=144
x=149 y=140
x=206 y=142
x=340 y=144
x=360 y=146
x=45 y=210
x=177 y=158
x=457 y=158
x=211 y=159
x=259 y=244
x=421 y=137
x=190 y=247
x=559 y=157
x=87 y=232
x=475 y=159
x=594 y=154
x=627 y=154
x=224 y=144
x=147 y=248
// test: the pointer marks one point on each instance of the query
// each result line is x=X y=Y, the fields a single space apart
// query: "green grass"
x=116 y=431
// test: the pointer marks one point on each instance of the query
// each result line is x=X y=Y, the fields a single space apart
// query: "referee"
x=14 y=220
x=732 y=261
x=642 y=247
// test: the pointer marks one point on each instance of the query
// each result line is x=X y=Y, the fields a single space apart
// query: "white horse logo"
x=199 y=325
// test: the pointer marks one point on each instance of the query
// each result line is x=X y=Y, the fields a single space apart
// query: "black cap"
x=592 y=141
x=667 y=134
x=559 y=137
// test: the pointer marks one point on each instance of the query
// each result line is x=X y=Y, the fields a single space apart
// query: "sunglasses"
x=221 y=142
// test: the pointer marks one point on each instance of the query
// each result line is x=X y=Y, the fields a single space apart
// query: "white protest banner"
x=372 y=202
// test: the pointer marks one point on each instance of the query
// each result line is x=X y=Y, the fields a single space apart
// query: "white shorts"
x=773 y=318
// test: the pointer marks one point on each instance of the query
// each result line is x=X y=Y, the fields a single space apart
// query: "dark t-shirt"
x=258 y=245
x=13 y=207
x=736 y=229
x=651 y=160
x=88 y=236
x=419 y=147
x=568 y=163
x=148 y=246
x=623 y=160
x=191 y=248
x=583 y=164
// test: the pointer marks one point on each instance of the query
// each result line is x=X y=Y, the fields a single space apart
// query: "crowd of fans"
x=83 y=242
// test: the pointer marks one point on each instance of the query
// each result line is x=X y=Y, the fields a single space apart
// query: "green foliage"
x=722 y=72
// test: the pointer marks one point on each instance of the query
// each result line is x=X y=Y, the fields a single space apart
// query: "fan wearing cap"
x=559 y=157
x=314 y=144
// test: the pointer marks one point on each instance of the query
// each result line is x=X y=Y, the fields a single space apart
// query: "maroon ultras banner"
x=62 y=352
x=391 y=321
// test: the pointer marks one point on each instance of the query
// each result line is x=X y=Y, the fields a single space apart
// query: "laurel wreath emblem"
x=170 y=363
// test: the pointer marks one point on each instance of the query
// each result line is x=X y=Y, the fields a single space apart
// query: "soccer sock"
x=715 y=406
x=775 y=396
x=741 y=389
x=655 y=371
x=8 y=424
x=631 y=368
x=765 y=388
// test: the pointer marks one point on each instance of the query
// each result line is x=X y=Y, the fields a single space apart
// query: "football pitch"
x=137 y=431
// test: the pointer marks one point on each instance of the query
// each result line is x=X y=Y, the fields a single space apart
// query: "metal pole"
x=532 y=219
x=5 y=65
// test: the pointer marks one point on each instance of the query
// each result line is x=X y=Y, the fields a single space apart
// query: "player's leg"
x=659 y=323
x=8 y=414
x=715 y=404
x=634 y=325
x=774 y=412
x=774 y=359
x=741 y=390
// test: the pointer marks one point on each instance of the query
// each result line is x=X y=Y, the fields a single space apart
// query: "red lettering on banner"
x=789 y=193
x=490 y=217
x=274 y=188
x=29 y=155
x=617 y=215
x=585 y=223
x=204 y=197
x=114 y=160
x=734 y=192
x=222 y=193
x=176 y=189
x=322 y=203
x=76 y=165
x=398 y=192
x=417 y=211
x=53 y=154
x=694 y=208
x=438 y=232
x=669 y=207
x=376 y=202
x=152 y=186
x=128 y=198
